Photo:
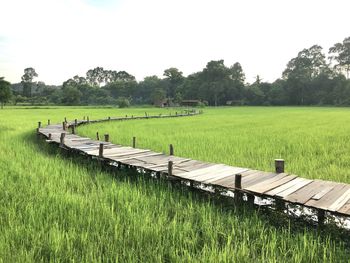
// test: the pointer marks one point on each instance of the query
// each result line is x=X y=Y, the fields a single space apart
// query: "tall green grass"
x=62 y=208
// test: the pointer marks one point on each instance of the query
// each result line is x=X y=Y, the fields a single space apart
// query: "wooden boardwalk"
x=321 y=195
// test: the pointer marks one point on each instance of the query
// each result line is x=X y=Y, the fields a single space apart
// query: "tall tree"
x=5 y=92
x=27 y=81
x=340 y=52
x=174 y=79
x=301 y=70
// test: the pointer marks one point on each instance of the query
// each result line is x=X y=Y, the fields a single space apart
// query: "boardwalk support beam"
x=62 y=138
x=321 y=216
x=238 y=185
x=170 y=168
x=100 y=151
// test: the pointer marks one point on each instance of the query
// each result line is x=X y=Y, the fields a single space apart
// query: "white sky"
x=62 y=38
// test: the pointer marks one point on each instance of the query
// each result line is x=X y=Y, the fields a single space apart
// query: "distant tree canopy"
x=310 y=78
x=5 y=92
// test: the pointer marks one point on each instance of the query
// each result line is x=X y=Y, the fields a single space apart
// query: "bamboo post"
x=134 y=142
x=97 y=136
x=100 y=151
x=106 y=137
x=39 y=124
x=238 y=185
x=170 y=168
x=171 y=149
x=279 y=165
x=62 y=138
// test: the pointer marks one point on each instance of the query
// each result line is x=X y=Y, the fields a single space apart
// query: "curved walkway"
x=324 y=196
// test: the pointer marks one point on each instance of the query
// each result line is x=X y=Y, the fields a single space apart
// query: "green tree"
x=174 y=79
x=27 y=81
x=340 y=52
x=5 y=92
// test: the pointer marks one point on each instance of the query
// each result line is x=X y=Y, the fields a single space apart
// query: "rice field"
x=61 y=208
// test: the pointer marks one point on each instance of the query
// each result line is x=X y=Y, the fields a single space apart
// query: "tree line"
x=310 y=78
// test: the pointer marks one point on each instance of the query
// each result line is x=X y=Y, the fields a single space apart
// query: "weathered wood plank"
x=269 y=184
x=294 y=188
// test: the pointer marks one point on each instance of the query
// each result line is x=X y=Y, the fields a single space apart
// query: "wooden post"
x=238 y=185
x=65 y=119
x=48 y=122
x=97 y=136
x=321 y=215
x=50 y=137
x=87 y=118
x=106 y=137
x=279 y=165
x=76 y=122
x=62 y=138
x=100 y=152
x=126 y=116
x=73 y=129
x=39 y=124
x=84 y=118
x=134 y=142
x=132 y=116
x=109 y=118
x=64 y=126
x=171 y=149
x=170 y=168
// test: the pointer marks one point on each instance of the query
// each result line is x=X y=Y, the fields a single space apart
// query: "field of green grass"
x=62 y=208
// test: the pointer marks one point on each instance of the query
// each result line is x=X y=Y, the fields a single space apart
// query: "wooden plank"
x=132 y=156
x=294 y=188
x=269 y=184
x=342 y=200
x=256 y=178
x=328 y=199
x=212 y=175
x=306 y=193
x=230 y=172
x=211 y=168
x=324 y=191
x=345 y=209
x=283 y=187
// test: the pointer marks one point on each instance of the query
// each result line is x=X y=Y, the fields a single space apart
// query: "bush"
x=123 y=102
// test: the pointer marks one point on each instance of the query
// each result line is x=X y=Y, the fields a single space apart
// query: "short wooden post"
x=176 y=113
x=50 y=137
x=88 y=119
x=84 y=118
x=76 y=122
x=39 y=124
x=279 y=165
x=109 y=118
x=65 y=119
x=73 y=129
x=134 y=142
x=238 y=185
x=132 y=116
x=106 y=137
x=64 y=126
x=62 y=138
x=97 y=136
x=48 y=122
x=170 y=168
x=321 y=216
x=171 y=149
x=100 y=151
x=126 y=116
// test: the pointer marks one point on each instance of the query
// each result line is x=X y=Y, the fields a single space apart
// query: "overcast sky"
x=63 y=38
